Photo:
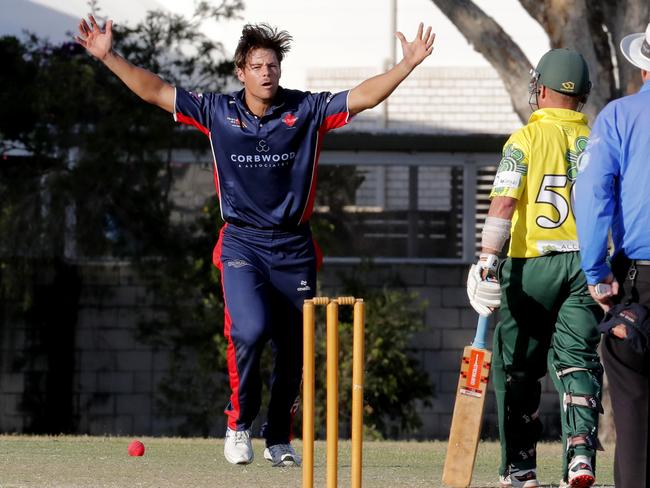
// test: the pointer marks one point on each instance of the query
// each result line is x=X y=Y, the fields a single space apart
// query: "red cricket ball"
x=136 y=448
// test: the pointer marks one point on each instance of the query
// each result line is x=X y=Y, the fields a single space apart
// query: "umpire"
x=611 y=194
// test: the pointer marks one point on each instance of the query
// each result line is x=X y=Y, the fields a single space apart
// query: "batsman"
x=548 y=320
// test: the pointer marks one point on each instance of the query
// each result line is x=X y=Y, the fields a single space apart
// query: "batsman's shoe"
x=519 y=478
x=282 y=455
x=581 y=475
x=238 y=448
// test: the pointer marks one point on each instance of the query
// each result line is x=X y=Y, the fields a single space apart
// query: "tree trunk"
x=593 y=28
x=576 y=25
x=623 y=18
x=488 y=38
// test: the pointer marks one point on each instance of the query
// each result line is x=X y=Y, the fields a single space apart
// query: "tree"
x=593 y=28
x=84 y=161
x=92 y=144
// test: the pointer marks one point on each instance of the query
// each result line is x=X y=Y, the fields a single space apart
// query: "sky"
x=339 y=33
x=327 y=33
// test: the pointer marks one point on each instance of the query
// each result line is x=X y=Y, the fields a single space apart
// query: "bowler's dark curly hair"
x=264 y=36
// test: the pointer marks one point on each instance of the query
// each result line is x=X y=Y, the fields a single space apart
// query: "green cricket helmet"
x=562 y=70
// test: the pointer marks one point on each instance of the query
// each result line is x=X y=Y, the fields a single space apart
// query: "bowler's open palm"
x=97 y=42
x=419 y=48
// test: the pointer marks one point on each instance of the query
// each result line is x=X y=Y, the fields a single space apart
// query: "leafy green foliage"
x=86 y=171
x=91 y=143
x=394 y=380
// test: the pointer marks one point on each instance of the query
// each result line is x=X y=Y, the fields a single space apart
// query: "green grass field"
x=74 y=462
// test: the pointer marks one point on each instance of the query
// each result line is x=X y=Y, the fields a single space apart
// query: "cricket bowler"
x=265 y=142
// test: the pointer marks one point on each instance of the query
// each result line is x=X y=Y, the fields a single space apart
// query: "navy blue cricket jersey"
x=265 y=168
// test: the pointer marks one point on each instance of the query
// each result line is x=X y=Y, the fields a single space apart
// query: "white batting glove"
x=483 y=288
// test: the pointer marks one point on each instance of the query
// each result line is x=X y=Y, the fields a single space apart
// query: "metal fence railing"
x=404 y=207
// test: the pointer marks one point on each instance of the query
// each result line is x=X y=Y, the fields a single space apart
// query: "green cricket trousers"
x=548 y=321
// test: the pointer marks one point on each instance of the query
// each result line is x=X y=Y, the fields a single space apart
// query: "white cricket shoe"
x=519 y=478
x=282 y=455
x=238 y=448
x=581 y=475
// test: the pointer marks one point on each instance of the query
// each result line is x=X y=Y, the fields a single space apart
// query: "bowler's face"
x=261 y=75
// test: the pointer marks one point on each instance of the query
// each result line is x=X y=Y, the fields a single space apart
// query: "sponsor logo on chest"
x=263 y=157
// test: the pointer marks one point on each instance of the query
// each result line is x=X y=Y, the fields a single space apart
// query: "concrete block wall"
x=449 y=326
x=116 y=377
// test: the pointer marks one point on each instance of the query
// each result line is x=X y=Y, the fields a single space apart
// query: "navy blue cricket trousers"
x=266 y=276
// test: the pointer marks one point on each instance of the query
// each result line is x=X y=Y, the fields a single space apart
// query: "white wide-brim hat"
x=636 y=49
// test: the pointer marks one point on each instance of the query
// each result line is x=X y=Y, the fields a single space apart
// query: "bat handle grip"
x=480 y=340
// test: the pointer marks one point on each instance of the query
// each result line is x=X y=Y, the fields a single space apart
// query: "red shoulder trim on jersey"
x=184 y=119
x=334 y=121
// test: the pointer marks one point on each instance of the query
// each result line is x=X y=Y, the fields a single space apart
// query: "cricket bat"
x=465 y=431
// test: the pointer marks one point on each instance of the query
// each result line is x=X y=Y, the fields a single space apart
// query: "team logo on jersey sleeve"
x=575 y=159
x=513 y=159
x=289 y=119
x=512 y=168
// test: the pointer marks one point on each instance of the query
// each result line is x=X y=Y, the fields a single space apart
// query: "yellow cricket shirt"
x=538 y=167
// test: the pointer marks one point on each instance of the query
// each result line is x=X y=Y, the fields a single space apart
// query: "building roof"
x=451 y=100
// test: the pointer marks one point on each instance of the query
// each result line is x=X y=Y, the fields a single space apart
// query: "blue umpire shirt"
x=613 y=186
x=264 y=167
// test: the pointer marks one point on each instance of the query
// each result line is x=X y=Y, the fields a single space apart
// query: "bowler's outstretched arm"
x=375 y=90
x=99 y=43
